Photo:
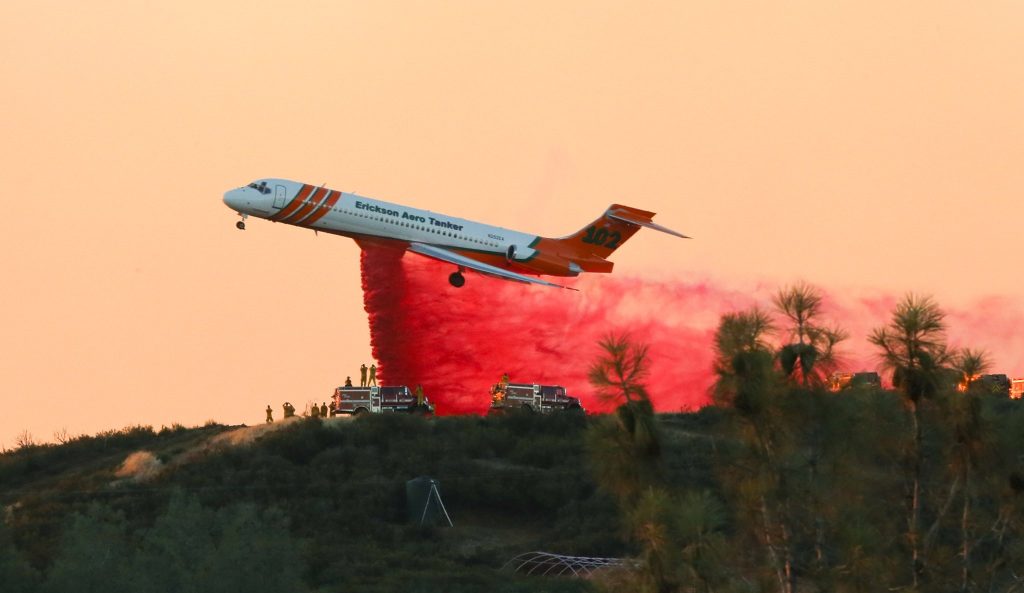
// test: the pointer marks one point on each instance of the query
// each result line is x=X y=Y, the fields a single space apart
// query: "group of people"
x=315 y=411
x=367 y=376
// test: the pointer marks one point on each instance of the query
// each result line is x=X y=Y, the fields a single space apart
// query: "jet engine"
x=555 y=265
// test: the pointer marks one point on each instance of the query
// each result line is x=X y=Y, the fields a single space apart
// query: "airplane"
x=485 y=249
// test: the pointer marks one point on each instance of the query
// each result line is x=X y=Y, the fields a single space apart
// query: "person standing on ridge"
x=315 y=412
x=270 y=414
x=419 y=395
x=373 y=375
x=323 y=409
x=348 y=382
x=362 y=375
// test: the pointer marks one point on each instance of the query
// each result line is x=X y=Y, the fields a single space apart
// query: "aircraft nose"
x=234 y=199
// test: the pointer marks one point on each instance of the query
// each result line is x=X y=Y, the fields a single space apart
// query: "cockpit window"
x=260 y=187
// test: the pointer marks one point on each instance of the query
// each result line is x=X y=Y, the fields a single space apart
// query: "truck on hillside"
x=838 y=381
x=353 y=401
x=533 y=398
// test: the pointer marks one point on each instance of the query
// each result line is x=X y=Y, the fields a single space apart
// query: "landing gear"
x=240 y=225
x=457 y=279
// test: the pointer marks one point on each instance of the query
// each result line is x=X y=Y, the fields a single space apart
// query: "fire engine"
x=376 y=400
x=1016 y=388
x=839 y=381
x=995 y=384
x=534 y=398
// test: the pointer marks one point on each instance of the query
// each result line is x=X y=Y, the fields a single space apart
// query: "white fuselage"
x=358 y=216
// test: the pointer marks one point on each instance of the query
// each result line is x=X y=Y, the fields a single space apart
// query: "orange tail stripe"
x=308 y=207
x=294 y=204
x=323 y=209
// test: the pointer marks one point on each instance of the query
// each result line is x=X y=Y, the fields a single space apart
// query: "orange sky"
x=852 y=144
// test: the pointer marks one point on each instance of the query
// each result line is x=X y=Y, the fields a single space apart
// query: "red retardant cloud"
x=457 y=342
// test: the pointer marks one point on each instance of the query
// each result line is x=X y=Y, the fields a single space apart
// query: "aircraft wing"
x=451 y=257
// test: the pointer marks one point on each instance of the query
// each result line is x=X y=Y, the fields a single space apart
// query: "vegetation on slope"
x=782 y=485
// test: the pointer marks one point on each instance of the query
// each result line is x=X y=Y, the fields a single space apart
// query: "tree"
x=625 y=446
x=749 y=384
x=913 y=348
x=94 y=555
x=15 y=574
x=626 y=451
x=969 y=365
x=806 y=359
x=969 y=433
x=810 y=347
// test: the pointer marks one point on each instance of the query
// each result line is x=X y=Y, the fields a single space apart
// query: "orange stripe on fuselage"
x=294 y=204
x=323 y=209
x=308 y=207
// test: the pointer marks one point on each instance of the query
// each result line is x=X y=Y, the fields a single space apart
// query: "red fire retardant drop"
x=457 y=342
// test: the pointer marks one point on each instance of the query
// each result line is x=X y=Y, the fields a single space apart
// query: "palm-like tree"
x=967 y=424
x=619 y=373
x=913 y=348
x=741 y=350
x=631 y=448
x=811 y=344
x=806 y=359
x=625 y=449
x=748 y=383
x=969 y=366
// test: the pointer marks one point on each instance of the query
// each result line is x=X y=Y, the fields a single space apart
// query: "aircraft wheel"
x=457 y=279
x=240 y=225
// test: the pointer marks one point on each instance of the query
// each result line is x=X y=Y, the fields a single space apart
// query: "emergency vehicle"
x=838 y=381
x=533 y=398
x=375 y=400
x=1016 y=388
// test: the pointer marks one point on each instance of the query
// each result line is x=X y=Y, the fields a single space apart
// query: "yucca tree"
x=810 y=347
x=749 y=384
x=619 y=375
x=806 y=359
x=969 y=432
x=625 y=449
x=620 y=371
x=969 y=365
x=741 y=349
x=913 y=348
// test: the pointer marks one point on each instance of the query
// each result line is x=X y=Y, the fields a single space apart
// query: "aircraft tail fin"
x=606 y=234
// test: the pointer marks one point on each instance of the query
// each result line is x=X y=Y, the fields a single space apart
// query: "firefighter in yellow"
x=323 y=409
x=373 y=375
x=348 y=381
x=362 y=375
x=270 y=414
x=419 y=395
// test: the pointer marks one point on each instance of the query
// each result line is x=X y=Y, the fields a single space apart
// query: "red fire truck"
x=376 y=400
x=534 y=398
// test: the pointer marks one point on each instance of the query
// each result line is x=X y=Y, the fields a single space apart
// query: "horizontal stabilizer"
x=445 y=255
x=632 y=218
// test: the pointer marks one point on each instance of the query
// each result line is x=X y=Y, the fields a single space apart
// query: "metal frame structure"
x=436 y=496
x=547 y=564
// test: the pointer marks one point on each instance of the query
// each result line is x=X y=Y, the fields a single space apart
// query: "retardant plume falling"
x=458 y=342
